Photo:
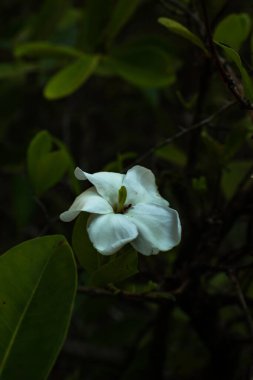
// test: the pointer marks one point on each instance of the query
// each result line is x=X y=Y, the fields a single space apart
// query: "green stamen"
x=122 y=196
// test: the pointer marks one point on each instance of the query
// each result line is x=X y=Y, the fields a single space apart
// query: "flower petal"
x=89 y=201
x=141 y=187
x=159 y=228
x=110 y=232
x=107 y=184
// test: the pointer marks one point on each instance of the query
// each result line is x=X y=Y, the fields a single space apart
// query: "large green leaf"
x=46 y=167
x=233 y=30
x=119 y=268
x=181 y=30
x=37 y=289
x=246 y=80
x=144 y=65
x=69 y=79
x=122 y=12
x=82 y=246
x=46 y=49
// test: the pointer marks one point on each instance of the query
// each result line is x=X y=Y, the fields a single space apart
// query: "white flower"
x=126 y=209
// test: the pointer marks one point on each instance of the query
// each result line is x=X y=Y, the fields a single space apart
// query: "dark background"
x=112 y=121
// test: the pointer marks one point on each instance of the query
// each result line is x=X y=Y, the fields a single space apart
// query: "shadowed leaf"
x=37 y=289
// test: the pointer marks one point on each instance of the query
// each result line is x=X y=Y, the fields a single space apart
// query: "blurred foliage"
x=105 y=85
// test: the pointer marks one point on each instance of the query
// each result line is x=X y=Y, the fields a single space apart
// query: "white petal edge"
x=141 y=187
x=89 y=201
x=108 y=233
x=107 y=184
x=159 y=228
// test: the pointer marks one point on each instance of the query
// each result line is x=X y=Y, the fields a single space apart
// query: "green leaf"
x=46 y=167
x=199 y=184
x=144 y=65
x=233 y=30
x=218 y=283
x=71 y=78
x=251 y=47
x=238 y=135
x=14 y=70
x=181 y=30
x=122 y=12
x=212 y=146
x=172 y=154
x=246 y=80
x=46 y=50
x=82 y=246
x=210 y=159
x=105 y=67
x=232 y=176
x=37 y=290
x=95 y=16
x=74 y=183
x=121 y=267
x=51 y=169
x=187 y=104
x=120 y=162
x=40 y=145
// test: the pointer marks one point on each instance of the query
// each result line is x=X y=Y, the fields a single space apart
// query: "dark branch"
x=156 y=298
x=224 y=72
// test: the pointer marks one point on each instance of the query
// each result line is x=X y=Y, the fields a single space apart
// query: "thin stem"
x=42 y=207
x=184 y=131
x=156 y=298
x=184 y=9
x=242 y=301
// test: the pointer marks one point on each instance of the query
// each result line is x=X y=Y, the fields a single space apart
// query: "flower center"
x=121 y=207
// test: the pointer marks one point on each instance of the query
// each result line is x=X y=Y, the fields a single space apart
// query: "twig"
x=242 y=301
x=49 y=220
x=183 y=132
x=156 y=298
x=228 y=80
